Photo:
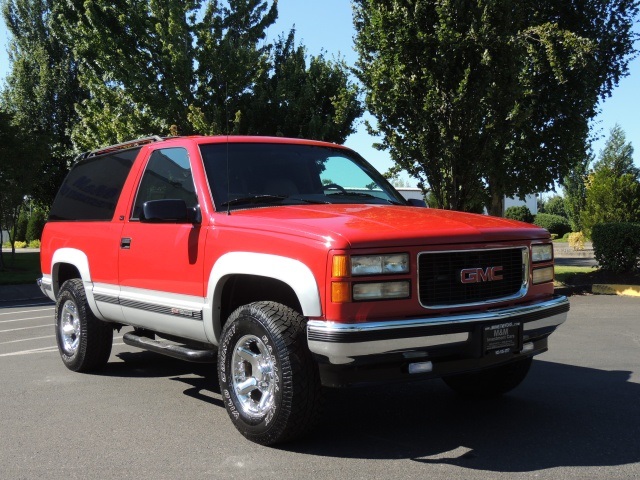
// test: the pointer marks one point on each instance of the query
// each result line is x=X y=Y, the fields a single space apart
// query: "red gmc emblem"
x=477 y=275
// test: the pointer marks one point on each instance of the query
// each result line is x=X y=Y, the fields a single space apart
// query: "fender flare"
x=291 y=272
x=78 y=259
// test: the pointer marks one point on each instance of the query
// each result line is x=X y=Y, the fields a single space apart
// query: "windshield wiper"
x=266 y=198
x=254 y=199
x=364 y=195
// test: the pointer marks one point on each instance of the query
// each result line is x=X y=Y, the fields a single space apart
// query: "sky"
x=326 y=27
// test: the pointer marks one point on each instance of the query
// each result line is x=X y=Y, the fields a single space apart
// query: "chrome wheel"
x=69 y=327
x=253 y=375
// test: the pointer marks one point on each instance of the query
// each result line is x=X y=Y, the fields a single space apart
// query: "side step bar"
x=170 y=349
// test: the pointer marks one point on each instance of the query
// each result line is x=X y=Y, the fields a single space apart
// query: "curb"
x=569 y=290
x=615 y=289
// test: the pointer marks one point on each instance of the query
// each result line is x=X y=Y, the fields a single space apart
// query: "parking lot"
x=577 y=415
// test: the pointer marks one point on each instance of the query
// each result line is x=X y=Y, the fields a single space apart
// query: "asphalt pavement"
x=145 y=416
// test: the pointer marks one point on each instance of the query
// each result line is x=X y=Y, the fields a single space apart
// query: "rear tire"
x=83 y=340
x=268 y=379
x=491 y=382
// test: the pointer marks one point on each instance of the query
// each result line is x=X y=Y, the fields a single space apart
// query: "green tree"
x=18 y=159
x=301 y=97
x=575 y=192
x=41 y=89
x=169 y=67
x=613 y=187
x=136 y=59
x=555 y=206
x=483 y=98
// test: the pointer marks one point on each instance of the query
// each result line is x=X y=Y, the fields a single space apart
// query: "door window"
x=167 y=176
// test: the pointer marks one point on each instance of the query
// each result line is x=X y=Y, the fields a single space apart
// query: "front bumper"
x=366 y=352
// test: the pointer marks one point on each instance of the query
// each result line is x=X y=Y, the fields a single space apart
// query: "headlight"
x=381 y=290
x=541 y=253
x=379 y=264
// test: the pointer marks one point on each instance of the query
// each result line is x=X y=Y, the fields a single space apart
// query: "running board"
x=170 y=349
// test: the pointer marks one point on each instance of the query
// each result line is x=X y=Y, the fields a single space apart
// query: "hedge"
x=616 y=246
x=521 y=213
x=554 y=223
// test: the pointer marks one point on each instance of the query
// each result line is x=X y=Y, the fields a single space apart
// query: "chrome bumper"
x=343 y=343
x=46 y=286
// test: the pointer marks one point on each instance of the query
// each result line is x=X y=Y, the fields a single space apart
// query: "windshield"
x=245 y=175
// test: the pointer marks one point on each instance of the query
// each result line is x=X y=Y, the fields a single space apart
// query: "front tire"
x=84 y=341
x=491 y=382
x=269 y=382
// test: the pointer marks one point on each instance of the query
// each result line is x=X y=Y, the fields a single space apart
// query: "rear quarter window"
x=92 y=187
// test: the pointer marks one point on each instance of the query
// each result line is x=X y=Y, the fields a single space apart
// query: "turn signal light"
x=339 y=268
x=340 y=292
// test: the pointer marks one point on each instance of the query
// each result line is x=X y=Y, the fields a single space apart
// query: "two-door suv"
x=296 y=266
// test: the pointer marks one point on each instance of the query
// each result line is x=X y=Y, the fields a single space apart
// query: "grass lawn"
x=20 y=269
x=571 y=275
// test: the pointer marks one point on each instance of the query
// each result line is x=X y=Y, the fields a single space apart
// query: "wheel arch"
x=233 y=279
x=68 y=263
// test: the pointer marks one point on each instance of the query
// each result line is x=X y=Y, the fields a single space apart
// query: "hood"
x=364 y=226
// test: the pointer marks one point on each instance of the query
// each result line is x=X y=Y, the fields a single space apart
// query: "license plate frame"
x=502 y=338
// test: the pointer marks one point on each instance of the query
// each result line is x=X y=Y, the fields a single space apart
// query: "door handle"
x=125 y=243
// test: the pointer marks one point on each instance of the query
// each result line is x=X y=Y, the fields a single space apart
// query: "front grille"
x=439 y=282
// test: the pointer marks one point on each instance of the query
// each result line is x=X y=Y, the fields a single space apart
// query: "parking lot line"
x=25 y=319
x=27 y=311
x=27 y=339
x=48 y=325
x=39 y=350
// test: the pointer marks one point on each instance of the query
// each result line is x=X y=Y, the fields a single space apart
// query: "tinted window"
x=167 y=176
x=291 y=174
x=93 y=186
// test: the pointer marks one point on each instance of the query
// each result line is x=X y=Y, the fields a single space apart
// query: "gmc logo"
x=477 y=275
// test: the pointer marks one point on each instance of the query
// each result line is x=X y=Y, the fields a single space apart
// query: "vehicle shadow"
x=561 y=415
x=202 y=378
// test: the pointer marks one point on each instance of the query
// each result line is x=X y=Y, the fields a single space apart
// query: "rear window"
x=93 y=186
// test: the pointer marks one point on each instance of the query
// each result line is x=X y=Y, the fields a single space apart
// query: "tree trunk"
x=496 y=208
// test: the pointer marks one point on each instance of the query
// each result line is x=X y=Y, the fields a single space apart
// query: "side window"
x=167 y=176
x=92 y=187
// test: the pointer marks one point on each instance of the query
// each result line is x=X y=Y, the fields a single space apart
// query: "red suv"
x=296 y=266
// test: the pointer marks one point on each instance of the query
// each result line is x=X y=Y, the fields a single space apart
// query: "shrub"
x=36 y=225
x=521 y=213
x=576 y=240
x=21 y=226
x=20 y=245
x=34 y=244
x=554 y=223
x=617 y=246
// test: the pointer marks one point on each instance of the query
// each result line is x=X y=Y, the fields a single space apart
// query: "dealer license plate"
x=502 y=338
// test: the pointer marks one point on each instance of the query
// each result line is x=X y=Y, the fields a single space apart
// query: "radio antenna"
x=226 y=113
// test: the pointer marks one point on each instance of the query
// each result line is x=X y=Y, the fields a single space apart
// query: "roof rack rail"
x=120 y=146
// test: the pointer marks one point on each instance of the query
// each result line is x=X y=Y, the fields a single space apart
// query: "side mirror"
x=169 y=211
x=414 y=202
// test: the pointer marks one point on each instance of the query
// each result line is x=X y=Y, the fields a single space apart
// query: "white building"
x=530 y=201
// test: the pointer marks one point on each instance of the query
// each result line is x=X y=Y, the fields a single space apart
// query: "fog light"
x=542 y=275
x=381 y=290
x=422 y=367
